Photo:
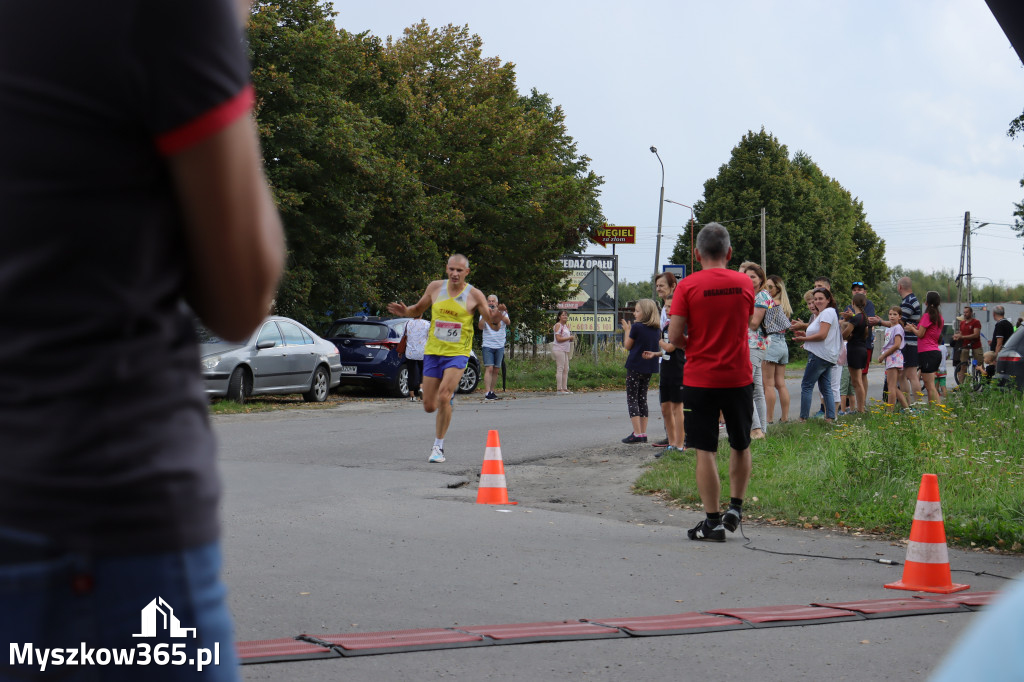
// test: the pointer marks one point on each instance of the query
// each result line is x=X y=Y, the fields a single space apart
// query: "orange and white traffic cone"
x=493 y=489
x=927 y=566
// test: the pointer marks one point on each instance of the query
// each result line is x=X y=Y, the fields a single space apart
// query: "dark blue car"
x=369 y=356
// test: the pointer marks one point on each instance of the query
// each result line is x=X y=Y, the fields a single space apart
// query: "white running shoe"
x=436 y=455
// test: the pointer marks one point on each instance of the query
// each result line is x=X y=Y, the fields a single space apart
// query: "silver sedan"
x=282 y=356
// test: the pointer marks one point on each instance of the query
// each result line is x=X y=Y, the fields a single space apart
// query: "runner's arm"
x=402 y=310
x=494 y=316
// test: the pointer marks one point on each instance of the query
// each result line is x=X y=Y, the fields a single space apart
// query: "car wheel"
x=239 y=385
x=320 y=386
x=400 y=386
x=470 y=378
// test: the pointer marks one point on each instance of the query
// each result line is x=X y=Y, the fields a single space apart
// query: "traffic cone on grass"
x=927 y=565
x=492 y=474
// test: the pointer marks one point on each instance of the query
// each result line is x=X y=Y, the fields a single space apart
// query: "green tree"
x=944 y=282
x=1017 y=128
x=385 y=158
x=633 y=291
x=499 y=168
x=814 y=226
x=321 y=157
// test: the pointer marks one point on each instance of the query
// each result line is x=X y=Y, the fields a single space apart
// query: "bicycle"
x=973 y=374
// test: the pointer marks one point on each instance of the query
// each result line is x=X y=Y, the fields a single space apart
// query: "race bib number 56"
x=449 y=332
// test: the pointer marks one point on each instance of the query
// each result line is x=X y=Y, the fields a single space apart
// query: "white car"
x=280 y=357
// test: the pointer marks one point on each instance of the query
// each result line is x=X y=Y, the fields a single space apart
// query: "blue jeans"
x=818 y=372
x=58 y=600
x=493 y=356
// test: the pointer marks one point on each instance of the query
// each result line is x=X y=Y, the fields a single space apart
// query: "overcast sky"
x=905 y=102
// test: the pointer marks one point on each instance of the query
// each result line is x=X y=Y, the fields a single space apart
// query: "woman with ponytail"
x=929 y=332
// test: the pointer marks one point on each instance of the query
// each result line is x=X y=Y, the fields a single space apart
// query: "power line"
x=916 y=220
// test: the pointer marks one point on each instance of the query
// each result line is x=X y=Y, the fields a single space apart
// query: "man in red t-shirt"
x=969 y=337
x=710 y=314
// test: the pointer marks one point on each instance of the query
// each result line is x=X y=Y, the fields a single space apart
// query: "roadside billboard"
x=590 y=275
x=583 y=323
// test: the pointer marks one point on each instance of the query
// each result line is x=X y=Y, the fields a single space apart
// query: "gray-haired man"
x=493 y=346
x=1003 y=329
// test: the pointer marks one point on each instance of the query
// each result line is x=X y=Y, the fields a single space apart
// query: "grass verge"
x=537 y=372
x=607 y=373
x=864 y=473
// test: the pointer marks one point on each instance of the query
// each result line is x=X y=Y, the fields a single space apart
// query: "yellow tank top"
x=451 y=324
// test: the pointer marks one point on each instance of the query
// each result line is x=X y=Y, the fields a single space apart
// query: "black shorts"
x=856 y=356
x=704 y=404
x=929 y=361
x=910 y=356
x=670 y=387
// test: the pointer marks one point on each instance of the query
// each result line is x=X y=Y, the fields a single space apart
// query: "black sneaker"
x=633 y=438
x=703 y=531
x=491 y=396
x=661 y=443
x=731 y=519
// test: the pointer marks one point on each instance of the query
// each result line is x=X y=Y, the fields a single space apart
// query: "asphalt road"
x=335 y=523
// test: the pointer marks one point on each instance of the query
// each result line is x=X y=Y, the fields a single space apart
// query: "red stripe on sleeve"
x=208 y=123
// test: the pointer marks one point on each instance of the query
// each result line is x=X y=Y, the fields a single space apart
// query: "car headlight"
x=210 y=362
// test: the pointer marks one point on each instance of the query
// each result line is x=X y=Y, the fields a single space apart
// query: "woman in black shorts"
x=929 y=334
x=857 y=349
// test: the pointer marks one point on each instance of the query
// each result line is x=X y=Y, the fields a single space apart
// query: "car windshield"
x=358 y=330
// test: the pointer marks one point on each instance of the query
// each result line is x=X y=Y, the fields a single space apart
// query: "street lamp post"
x=669 y=201
x=661 y=206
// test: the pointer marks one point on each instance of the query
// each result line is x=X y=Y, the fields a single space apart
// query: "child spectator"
x=892 y=356
x=845 y=387
x=642 y=335
x=940 y=376
x=990 y=364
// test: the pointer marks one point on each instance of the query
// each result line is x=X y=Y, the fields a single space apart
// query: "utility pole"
x=967 y=230
x=764 y=263
x=965 y=265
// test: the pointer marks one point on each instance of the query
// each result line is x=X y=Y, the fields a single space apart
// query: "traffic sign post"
x=678 y=270
x=595 y=281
